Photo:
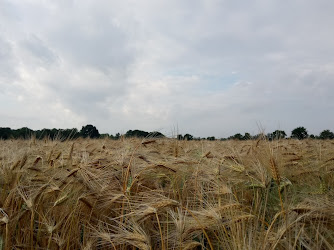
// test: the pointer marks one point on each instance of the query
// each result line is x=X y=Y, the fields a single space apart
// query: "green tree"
x=70 y=133
x=269 y=136
x=156 y=134
x=89 y=131
x=136 y=133
x=278 y=134
x=5 y=133
x=104 y=136
x=211 y=138
x=299 y=133
x=326 y=134
x=247 y=136
x=179 y=137
x=262 y=136
x=45 y=133
x=117 y=136
x=237 y=136
x=23 y=133
x=188 y=137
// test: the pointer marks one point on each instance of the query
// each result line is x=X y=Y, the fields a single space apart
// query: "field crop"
x=166 y=194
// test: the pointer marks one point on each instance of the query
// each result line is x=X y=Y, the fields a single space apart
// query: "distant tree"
x=46 y=133
x=117 y=136
x=262 y=136
x=179 y=137
x=129 y=133
x=299 y=133
x=22 y=133
x=156 y=134
x=247 y=136
x=326 y=134
x=57 y=134
x=70 y=133
x=270 y=136
x=237 y=136
x=5 y=133
x=188 y=137
x=136 y=133
x=89 y=131
x=104 y=136
x=312 y=136
x=211 y=138
x=278 y=134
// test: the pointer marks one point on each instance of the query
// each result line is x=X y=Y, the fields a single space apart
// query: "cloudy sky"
x=206 y=67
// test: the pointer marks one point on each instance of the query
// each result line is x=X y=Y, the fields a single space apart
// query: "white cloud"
x=212 y=67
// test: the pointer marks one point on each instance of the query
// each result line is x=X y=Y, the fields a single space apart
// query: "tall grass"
x=166 y=194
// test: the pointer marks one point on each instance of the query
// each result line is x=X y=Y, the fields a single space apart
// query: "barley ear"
x=274 y=170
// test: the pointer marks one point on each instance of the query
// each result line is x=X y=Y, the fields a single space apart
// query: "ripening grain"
x=166 y=194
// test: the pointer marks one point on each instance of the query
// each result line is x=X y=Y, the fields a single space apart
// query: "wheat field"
x=166 y=194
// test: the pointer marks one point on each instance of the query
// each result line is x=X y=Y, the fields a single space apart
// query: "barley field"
x=166 y=194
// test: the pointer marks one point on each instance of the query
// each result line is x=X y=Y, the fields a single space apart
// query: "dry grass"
x=166 y=194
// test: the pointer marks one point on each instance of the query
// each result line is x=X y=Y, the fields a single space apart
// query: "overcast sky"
x=208 y=68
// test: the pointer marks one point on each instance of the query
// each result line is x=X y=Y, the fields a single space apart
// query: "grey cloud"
x=105 y=49
x=7 y=61
x=92 y=39
x=152 y=64
x=39 y=50
x=89 y=94
x=9 y=10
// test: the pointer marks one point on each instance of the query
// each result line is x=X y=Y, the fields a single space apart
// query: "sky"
x=204 y=67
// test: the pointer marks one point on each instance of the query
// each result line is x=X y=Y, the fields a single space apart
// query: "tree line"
x=90 y=131
x=299 y=133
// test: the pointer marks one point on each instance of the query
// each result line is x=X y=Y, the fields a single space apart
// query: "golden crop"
x=166 y=194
